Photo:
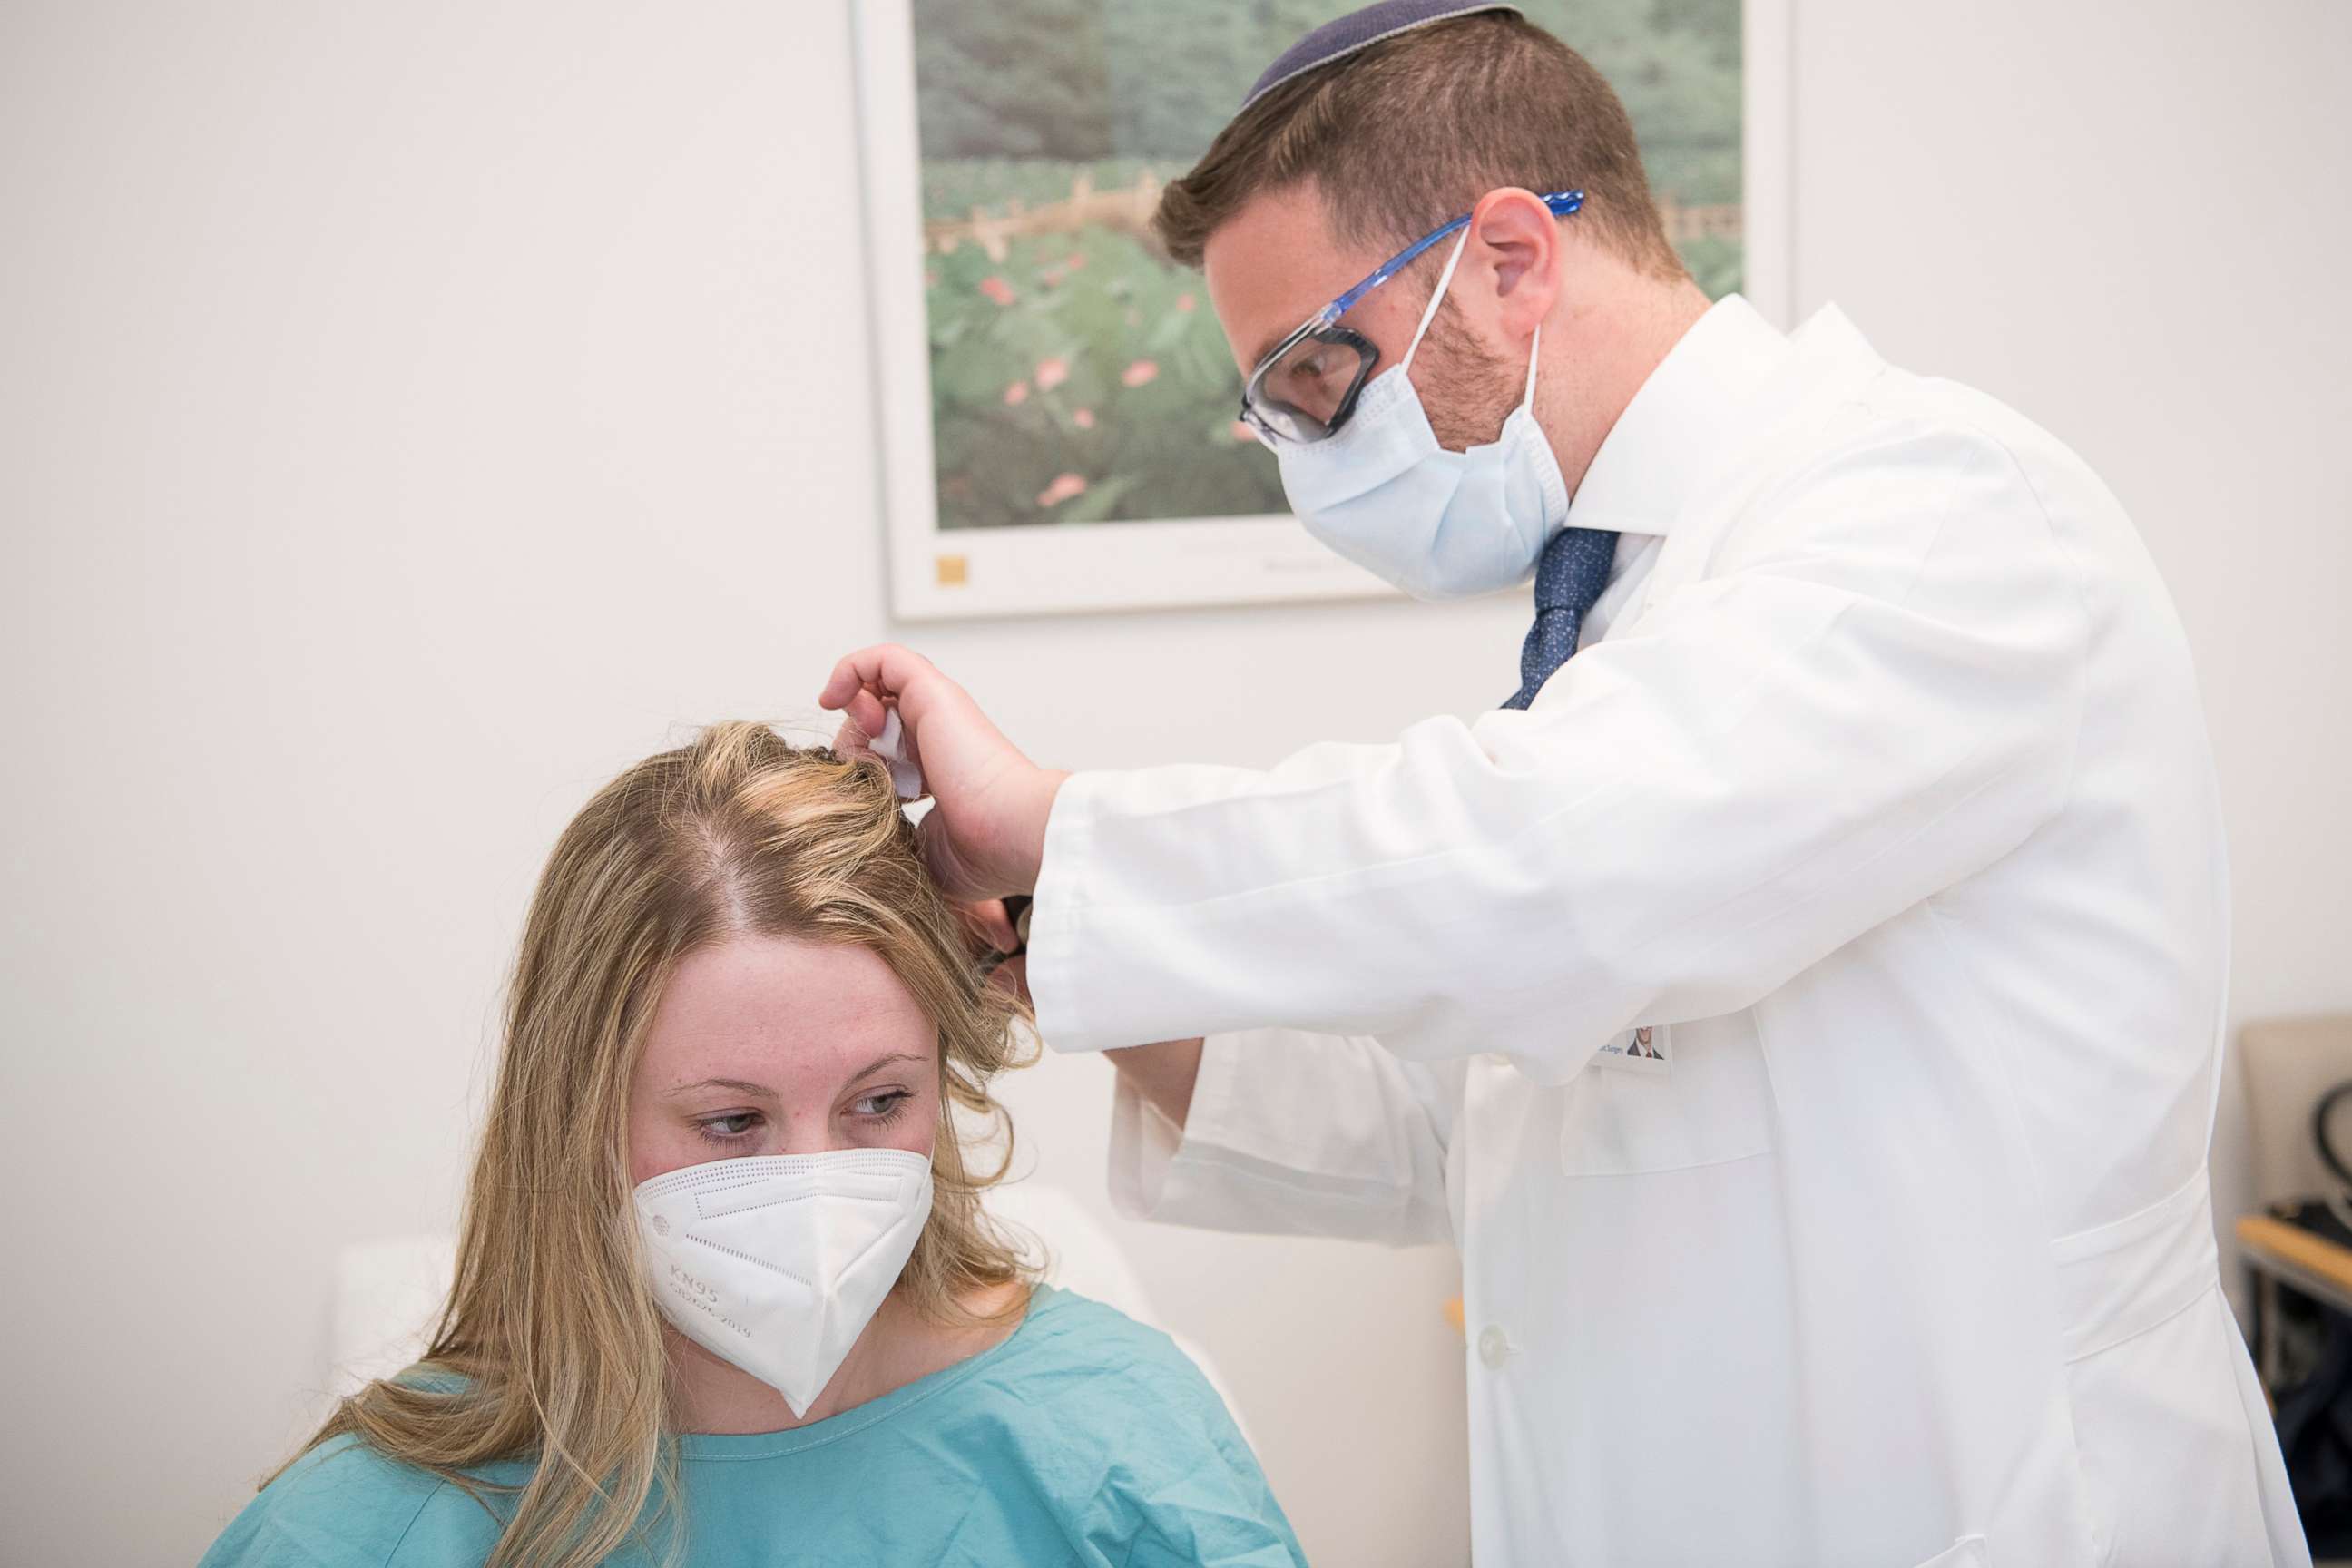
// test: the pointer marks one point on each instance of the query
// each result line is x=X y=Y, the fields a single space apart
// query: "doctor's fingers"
x=863 y=680
x=858 y=687
x=958 y=747
x=856 y=737
x=863 y=717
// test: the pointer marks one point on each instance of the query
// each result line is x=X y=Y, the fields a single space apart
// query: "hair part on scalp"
x=550 y=1348
x=1410 y=132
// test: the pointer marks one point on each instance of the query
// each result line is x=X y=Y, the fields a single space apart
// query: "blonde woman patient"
x=725 y=1293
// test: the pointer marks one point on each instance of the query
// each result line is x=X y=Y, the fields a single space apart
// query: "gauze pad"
x=890 y=745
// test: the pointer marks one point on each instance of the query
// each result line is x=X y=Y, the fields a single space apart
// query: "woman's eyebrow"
x=733 y=1085
x=878 y=1063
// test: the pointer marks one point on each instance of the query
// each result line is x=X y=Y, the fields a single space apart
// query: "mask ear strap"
x=1535 y=357
x=1436 y=298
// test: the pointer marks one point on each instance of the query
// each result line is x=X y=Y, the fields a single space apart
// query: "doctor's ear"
x=1518 y=239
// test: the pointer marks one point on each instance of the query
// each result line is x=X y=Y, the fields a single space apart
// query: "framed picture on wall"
x=1056 y=401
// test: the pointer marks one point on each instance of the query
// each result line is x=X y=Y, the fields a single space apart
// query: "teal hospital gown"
x=1082 y=1438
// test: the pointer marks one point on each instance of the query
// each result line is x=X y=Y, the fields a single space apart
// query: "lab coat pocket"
x=1969 y=1552
x=1707 y=1102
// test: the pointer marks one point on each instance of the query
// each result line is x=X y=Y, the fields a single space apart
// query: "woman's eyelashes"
x=729 y=1127
x=882 y=1107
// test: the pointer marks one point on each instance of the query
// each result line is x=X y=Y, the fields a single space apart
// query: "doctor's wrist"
x=1032 y=813
x=1163 y=1074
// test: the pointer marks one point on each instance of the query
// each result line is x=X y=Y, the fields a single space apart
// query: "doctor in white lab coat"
x=1828 y=958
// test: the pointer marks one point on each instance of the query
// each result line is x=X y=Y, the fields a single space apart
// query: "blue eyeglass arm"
x=1561 y=203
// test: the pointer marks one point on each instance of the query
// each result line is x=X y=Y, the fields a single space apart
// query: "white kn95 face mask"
x=776 y=1263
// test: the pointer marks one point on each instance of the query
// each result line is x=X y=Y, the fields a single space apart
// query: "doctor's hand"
x=985 y=835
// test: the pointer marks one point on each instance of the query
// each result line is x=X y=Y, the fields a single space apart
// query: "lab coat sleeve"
x=1872 y=694
x=1296 y=1134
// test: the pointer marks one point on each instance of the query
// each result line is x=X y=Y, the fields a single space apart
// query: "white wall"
x=409 y=415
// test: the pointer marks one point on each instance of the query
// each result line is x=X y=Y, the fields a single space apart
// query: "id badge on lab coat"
x=1645 y=1050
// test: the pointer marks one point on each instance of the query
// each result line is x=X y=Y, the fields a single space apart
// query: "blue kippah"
x=1361 y=29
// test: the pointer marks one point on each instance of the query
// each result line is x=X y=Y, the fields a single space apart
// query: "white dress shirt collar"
x=1686 y=417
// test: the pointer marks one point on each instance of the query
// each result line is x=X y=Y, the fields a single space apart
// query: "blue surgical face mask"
x=1438 y=524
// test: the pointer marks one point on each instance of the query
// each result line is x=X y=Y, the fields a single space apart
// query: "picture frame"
x=940 y=569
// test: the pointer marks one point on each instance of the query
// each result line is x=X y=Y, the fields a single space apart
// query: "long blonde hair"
x=551 y=1345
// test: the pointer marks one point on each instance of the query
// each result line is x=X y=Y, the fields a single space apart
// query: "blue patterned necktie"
x=1572 y=571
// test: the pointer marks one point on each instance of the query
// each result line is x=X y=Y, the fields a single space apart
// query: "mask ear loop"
x=1436 y=298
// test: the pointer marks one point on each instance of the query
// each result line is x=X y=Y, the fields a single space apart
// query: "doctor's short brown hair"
x=1411 y=131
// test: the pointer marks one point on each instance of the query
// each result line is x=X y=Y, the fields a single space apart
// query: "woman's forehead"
x=780 y=1010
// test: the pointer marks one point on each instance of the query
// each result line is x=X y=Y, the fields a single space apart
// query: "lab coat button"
x=1494 y=1346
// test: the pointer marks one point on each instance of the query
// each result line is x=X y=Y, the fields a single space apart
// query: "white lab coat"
x=1886 y=806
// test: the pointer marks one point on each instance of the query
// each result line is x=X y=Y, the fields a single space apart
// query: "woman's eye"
x=883 y=1107
x=735 y=1124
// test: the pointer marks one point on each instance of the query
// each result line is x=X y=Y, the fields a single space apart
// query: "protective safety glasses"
x=1305 y=390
